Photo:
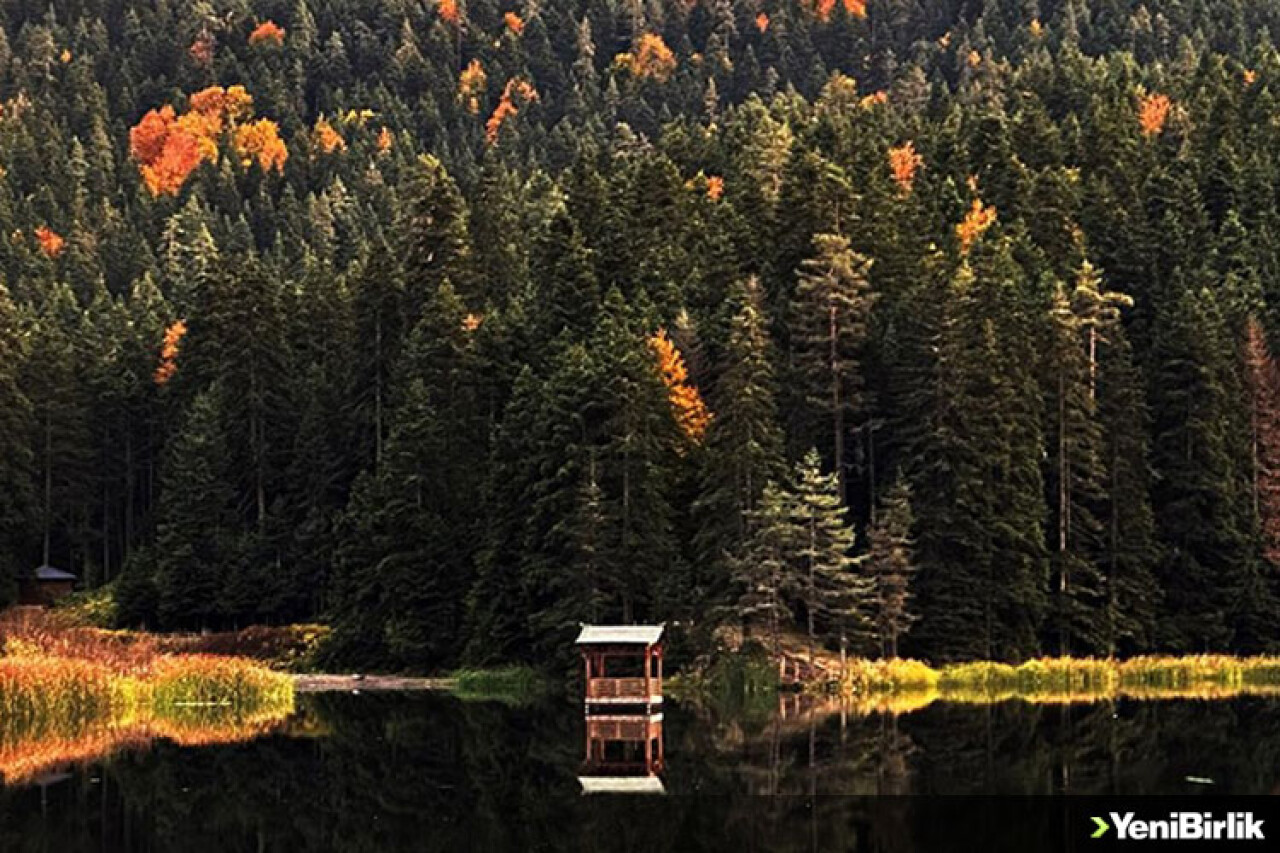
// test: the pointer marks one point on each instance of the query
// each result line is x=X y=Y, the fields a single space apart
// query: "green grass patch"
x=510 y=685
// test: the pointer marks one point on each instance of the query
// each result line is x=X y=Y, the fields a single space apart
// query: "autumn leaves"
x=168 y=147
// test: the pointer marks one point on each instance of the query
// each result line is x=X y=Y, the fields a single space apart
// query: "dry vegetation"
x=899 y=685
x=70 y=694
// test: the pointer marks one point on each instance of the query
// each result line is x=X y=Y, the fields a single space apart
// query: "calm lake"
x=429 y=772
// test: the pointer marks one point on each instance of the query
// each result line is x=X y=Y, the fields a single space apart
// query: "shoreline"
x=335 y=683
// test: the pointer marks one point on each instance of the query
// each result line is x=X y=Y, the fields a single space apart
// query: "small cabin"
x=622 y=664
x=45 y=586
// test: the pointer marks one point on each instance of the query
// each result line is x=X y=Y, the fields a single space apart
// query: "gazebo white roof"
x=640 y=635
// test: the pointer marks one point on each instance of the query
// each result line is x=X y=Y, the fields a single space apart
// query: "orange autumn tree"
x=822 y=9
x=904 y=163
x=762 y=22
x=975 y=223
x=166 y=152
x=260 y=141
x=715 y=187
x=514 y=23
x=691 y=412
x=874 y=99
x=325 y=139
x=201 y=50
x=450 y=11
x=1153 y=112
x=652 y=58
x=268 y=32
x=385 y=140
x=51 y=242
x=169 y=147
x=472 y=83
x=516 y=89
x=172 y=343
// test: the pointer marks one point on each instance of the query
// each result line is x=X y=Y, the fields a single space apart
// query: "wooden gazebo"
x=623 y=665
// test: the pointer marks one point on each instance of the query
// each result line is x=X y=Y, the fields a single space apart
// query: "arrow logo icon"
x=1102 y=825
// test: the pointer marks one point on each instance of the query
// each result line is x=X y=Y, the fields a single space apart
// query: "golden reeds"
x=891 y=686
x=77 y=694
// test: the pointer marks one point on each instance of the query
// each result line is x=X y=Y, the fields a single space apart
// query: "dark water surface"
x=428 y=772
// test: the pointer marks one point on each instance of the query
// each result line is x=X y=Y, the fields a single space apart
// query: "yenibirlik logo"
x=1182 y=826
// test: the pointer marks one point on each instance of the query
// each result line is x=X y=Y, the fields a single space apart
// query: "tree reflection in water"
x=390 y=773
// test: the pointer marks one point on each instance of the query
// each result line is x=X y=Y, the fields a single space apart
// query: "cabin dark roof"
x=643 y=635
x=49 y=573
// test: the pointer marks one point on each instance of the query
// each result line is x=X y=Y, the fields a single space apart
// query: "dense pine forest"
x=929 y=327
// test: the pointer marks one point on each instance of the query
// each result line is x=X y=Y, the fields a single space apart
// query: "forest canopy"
x=934 y=327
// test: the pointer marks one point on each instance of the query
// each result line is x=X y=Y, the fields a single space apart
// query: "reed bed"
x=896 y=684
x=70 y=693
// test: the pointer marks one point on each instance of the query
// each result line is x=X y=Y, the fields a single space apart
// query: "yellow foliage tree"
x=260 y=140
x=691 y=412
x=652 y=58
x=975 y=223
x=472 y=83
x=325 y=138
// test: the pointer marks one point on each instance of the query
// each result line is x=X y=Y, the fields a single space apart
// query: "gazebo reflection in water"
x=622 y=709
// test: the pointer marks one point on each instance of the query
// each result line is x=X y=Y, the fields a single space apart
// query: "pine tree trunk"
x=813 y=593
x=377 y=391
x=129 y=487
x=837 y=409
x=1064 y=502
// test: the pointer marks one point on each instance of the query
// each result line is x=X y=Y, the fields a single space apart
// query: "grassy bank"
x=76 y=695
x=511 y=685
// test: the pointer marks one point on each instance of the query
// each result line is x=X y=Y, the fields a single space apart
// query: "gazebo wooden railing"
x=619 y=688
